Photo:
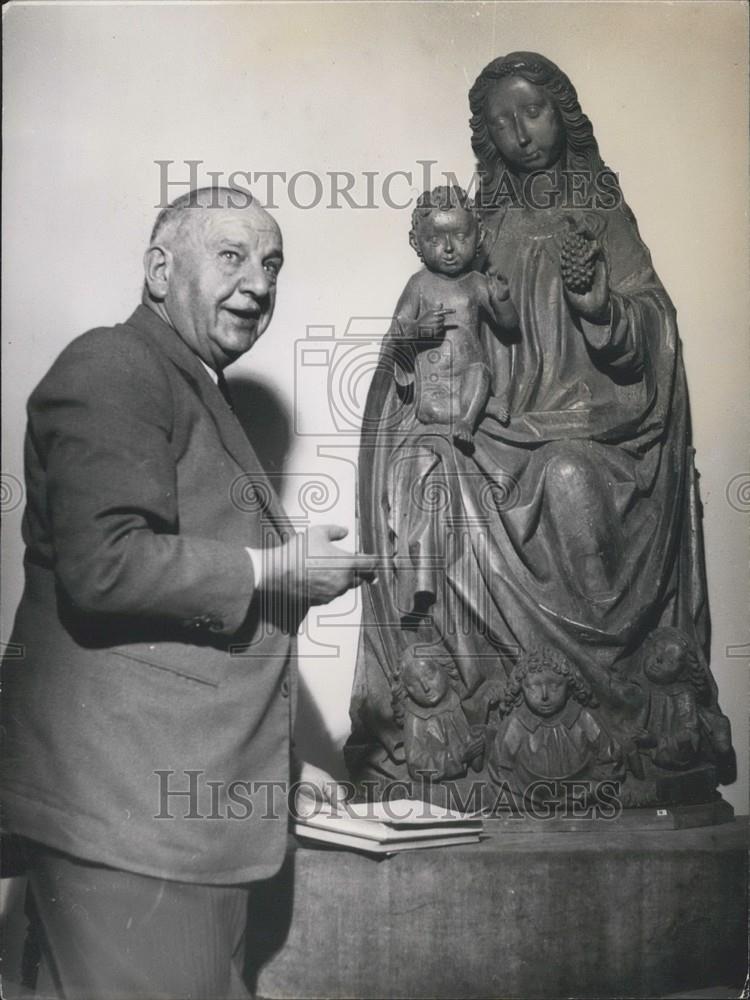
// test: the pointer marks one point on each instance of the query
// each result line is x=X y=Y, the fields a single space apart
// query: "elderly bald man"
x=148 y=763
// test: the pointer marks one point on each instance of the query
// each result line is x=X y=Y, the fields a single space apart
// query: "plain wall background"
x=95 y=94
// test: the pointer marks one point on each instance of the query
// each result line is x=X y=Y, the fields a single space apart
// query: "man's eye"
x=499 y=123
x=435 y=241
x=533 y=111
x=230 y=255
x=272 y=267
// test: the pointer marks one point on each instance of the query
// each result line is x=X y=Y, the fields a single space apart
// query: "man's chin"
x=233 y=344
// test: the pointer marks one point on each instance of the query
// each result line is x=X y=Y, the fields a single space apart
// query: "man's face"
x=222 y=280
x=448 y=240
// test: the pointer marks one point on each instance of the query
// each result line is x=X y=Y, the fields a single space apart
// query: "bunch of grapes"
x=577 y=262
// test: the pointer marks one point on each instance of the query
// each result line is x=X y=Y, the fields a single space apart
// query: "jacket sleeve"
x=101 y=425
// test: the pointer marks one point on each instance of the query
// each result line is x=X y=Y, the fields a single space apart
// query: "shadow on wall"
x=267 y=424
x=265 y=421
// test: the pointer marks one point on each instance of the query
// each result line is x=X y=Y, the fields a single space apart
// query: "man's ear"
x=413 y=243
x=157 y=265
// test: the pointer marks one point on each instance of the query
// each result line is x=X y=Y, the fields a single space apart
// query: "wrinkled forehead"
x=252 y=227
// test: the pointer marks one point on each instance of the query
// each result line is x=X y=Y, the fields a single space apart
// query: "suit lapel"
x=230 y=430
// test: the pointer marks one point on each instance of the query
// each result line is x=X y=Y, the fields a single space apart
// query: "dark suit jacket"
x=146 y=649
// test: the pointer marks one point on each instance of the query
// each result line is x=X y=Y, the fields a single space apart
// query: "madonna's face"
x=524 y=124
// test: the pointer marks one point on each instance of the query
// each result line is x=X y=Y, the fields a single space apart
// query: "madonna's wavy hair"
x=581 y=149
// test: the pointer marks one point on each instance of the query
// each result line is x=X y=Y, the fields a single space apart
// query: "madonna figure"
x=575 y=524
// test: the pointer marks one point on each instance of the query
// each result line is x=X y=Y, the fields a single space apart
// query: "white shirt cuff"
x=256 y=558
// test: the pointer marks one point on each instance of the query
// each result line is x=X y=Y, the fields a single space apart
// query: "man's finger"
x=361 y=562
x=336 y=532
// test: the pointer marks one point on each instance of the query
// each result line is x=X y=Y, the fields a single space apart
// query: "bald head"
x=211 y=269
x=178 y=219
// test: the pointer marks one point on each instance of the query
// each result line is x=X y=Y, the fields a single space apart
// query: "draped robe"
x=576 y=525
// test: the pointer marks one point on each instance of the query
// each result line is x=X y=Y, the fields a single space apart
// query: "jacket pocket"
x=202 y=664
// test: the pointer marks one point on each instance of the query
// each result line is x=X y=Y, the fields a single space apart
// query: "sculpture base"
x=627 y=913
x=681 y=817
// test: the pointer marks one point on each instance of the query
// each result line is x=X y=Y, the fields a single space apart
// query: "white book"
x=389 y=823
x=411 y=812
x=336 y=838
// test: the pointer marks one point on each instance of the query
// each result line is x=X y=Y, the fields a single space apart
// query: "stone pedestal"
x=615 y=913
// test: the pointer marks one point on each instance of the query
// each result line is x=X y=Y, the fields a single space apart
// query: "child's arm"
x=501 y=407
x=412 y=324
x=501 y=306
x=503 y=312
x=403 y=324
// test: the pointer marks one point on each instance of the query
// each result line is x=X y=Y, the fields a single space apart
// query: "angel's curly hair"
x=693 y=671
x=581 y=148
x=398 y=688
x=534 y=660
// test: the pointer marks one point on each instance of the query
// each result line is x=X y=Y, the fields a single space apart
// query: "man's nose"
x=255 y=281
x=544 y=692
x=448 y=243
x=522 y=136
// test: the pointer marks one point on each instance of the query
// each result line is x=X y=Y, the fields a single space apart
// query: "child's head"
x=668 y=655
x=545 y=679
x=445 y=231
x=424 y=678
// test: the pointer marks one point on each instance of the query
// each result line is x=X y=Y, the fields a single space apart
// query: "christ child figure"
x=438 y=741
x=548 y=734
x=441 y=314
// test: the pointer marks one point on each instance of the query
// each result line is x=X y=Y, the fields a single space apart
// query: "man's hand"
x=312 y=570
x=315 y=787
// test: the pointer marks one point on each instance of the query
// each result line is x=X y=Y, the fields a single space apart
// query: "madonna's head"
x=526 y=117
